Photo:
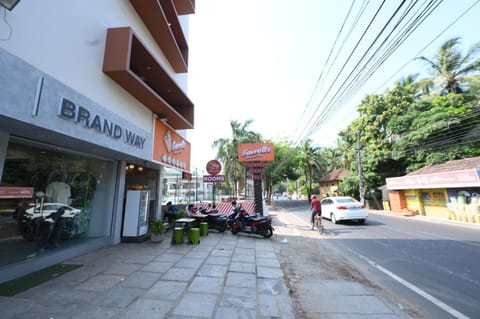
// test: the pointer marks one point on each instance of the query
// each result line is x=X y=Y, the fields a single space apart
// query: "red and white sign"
x=170 y=148
x=436 y=180
x=16 y=192
x=213 y=178
x=214 y=167
x=256 y=164
x=250 y=152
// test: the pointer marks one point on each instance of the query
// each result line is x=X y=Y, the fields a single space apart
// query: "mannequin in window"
x=58 y=191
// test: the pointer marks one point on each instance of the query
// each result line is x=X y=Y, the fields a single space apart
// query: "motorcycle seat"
x=258 y=218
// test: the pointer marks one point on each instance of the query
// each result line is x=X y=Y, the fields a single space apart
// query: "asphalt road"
x=432 y=265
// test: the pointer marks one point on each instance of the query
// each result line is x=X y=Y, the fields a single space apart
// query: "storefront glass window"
x=51 y=198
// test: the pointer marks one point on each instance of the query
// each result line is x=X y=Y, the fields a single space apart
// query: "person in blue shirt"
x=171 y=212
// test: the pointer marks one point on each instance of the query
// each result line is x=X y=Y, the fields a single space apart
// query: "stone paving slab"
x=166 y=290
x=207 y=285
x=197 y=305
x=224 y=277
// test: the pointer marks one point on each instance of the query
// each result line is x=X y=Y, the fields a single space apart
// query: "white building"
x=93 y=97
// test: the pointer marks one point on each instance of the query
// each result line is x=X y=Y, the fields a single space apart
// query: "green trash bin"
x=203 y=229
x=177 y=237
x=194 y=236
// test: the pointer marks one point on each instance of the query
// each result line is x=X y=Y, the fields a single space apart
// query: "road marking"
x=449 y=238
x=414 y=288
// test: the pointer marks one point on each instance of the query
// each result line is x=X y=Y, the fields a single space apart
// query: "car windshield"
x=346 y=200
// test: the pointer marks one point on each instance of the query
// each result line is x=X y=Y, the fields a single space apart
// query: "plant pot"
x=156 y=238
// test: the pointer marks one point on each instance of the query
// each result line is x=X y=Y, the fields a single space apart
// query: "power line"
x=353 y=83
x=344 y=65
x=319 y=80
x=429 y=44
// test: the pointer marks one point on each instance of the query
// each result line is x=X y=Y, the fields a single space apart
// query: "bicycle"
x=318 y=224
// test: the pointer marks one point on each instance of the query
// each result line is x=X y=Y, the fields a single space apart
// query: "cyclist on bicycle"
x=316 y=210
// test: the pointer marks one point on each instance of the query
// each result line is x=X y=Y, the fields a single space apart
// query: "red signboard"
x=250 y=152
x=16 y=192
x=214 y=167
x=255 y=164
x=170 y=148
x=436 y=180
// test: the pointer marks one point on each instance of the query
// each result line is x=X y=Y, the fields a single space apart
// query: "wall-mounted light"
x=9 y=4
x=131 y=166
x=140 y=169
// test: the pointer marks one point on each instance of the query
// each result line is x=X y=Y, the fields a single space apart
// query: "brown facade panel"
x=184 y=6
x=131 y=65
x=161 y=20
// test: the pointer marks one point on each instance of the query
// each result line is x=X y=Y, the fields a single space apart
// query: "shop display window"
x=50 y=197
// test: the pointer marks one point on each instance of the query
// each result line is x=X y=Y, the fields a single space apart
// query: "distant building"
x=449 y=190
x=329 y=183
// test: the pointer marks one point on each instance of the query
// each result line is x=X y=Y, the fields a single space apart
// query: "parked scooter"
x=253 y=224
x=214 y=219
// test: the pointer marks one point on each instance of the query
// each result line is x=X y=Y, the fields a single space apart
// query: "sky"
x=300 y=68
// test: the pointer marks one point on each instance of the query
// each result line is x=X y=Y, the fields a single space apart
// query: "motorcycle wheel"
x=235 y=229
x=28 y=237
x=268 y=232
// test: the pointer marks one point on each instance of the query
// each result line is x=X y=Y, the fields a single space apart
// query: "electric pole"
x=360 y=171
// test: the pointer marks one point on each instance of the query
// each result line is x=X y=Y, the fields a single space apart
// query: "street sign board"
x=213 y=178
x=214 y=167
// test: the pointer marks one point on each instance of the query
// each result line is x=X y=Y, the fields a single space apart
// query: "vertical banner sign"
x=255 y=157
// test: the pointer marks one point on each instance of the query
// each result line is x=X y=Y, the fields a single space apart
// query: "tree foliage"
x=410 y=126
x=227 y=153
x=415 y=123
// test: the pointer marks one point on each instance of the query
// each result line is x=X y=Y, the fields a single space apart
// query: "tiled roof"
x=454 y=165
x=335 y=175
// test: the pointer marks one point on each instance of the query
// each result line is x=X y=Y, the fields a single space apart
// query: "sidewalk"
x=225 y=276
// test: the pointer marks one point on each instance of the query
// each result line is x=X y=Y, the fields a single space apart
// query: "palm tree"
x=228 y=152
x=311 y=164
x=451 y=66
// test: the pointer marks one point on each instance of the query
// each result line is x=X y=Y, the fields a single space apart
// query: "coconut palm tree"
x=451 y=66
x=228 y=152
x=311 y=164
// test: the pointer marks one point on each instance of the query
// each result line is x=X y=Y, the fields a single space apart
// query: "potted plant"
x=157 y=229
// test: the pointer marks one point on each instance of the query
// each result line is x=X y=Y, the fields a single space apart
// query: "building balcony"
x=129 y=63
x=161 y=19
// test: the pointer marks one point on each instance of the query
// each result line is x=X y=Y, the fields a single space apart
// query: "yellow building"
x=449 y=190
x=329 y=183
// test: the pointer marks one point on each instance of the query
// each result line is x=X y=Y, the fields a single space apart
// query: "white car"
x=37 y=210
x=340 y=208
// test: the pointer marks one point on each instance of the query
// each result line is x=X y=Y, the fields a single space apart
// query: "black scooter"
x=253 y=224
x=214 y=219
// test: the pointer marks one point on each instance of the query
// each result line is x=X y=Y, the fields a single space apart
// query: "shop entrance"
x=140 y=204
x=51 y=198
